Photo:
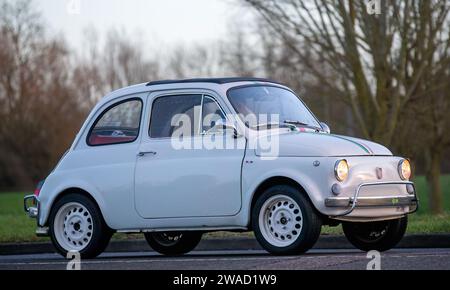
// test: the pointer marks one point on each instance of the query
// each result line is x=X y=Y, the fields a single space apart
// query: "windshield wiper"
x=295 y=123
x=274 y=124
x=302 y=124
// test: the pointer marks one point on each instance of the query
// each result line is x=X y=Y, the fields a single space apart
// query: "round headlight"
x=404 y=169
x=341 y=170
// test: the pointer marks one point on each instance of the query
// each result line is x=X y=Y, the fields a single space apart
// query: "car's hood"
x=318 y=144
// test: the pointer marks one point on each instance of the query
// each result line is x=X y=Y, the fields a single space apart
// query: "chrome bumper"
x=31 y=205
x=350 y=203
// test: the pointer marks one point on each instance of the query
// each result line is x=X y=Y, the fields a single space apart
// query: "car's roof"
x=226 y=80
x=219 y=84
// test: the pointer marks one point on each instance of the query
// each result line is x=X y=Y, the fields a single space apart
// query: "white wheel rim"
x=280 y=220
x=73 y=226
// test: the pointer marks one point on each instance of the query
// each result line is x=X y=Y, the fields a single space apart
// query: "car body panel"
x=306 y=144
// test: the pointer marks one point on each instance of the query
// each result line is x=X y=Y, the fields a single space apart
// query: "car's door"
x=182 y=169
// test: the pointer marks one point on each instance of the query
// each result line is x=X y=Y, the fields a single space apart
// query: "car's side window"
x=211 y=114
x=170 y=113
x=117 y=124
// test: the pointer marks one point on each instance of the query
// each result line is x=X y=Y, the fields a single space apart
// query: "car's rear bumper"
x=31 y=206
x=349 y=204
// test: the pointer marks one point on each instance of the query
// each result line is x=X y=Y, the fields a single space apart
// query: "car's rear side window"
x=171 y=112
x=117 y=124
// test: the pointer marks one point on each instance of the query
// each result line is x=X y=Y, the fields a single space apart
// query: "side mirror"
x=225 y=125
x=325 y=127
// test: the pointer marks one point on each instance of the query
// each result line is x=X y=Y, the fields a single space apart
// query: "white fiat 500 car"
x=176 y=159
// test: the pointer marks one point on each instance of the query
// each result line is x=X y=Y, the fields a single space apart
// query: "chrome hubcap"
x=73 y=226
x=280 y=220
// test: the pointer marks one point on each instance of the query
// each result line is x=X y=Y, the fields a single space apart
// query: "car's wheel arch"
x=77 y=190
x=274 y=181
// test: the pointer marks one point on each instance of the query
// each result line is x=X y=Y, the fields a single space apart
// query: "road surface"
x=401 y=259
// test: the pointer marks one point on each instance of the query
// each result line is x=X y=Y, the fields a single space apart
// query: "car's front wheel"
x=380 y=235
x=173 y=243
x=285 y=222
x=76 y=224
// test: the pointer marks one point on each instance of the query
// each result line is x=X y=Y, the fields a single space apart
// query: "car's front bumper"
x=349 y=204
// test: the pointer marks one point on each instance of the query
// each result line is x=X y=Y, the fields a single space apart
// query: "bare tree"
x=436 y=122
x=124 y=62
x=186 y=61
x=428 y=122
x=38 y=115
x=238 y=53
x=87 y=77
x=107 y=65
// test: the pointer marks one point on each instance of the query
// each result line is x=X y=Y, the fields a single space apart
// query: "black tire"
x=380 y=235
x=100 y=235
x=173 y=243
x=309 y=232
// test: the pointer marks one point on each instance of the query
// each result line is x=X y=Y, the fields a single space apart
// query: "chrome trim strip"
x=206 y=229
x=371 y=201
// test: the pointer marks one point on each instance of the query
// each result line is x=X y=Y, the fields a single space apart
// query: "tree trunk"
x=433 y=181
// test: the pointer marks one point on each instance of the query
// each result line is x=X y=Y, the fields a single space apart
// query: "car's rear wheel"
x=380 y=235
x=76 y=224
x=173 y=243
x=285 y=222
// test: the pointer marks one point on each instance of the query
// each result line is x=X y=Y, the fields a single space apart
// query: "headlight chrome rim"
x=336 y=170
x=400 y=169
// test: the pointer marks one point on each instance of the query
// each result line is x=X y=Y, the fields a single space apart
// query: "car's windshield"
x=258 y=106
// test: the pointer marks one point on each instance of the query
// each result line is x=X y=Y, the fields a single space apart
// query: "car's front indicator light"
x=404 y=169
x=341 y=170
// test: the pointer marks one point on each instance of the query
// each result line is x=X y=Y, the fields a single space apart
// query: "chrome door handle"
x=143 y=153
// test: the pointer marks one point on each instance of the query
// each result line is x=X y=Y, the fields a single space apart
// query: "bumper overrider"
x=349 y=204
x=31 y=206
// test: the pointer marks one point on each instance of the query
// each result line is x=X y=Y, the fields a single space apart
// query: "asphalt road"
x=401 y=259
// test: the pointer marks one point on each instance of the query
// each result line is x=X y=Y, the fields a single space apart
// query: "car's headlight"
x=341 y=170
x=404 y=169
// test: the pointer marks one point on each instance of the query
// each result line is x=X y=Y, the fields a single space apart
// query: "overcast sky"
x=161 y=21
